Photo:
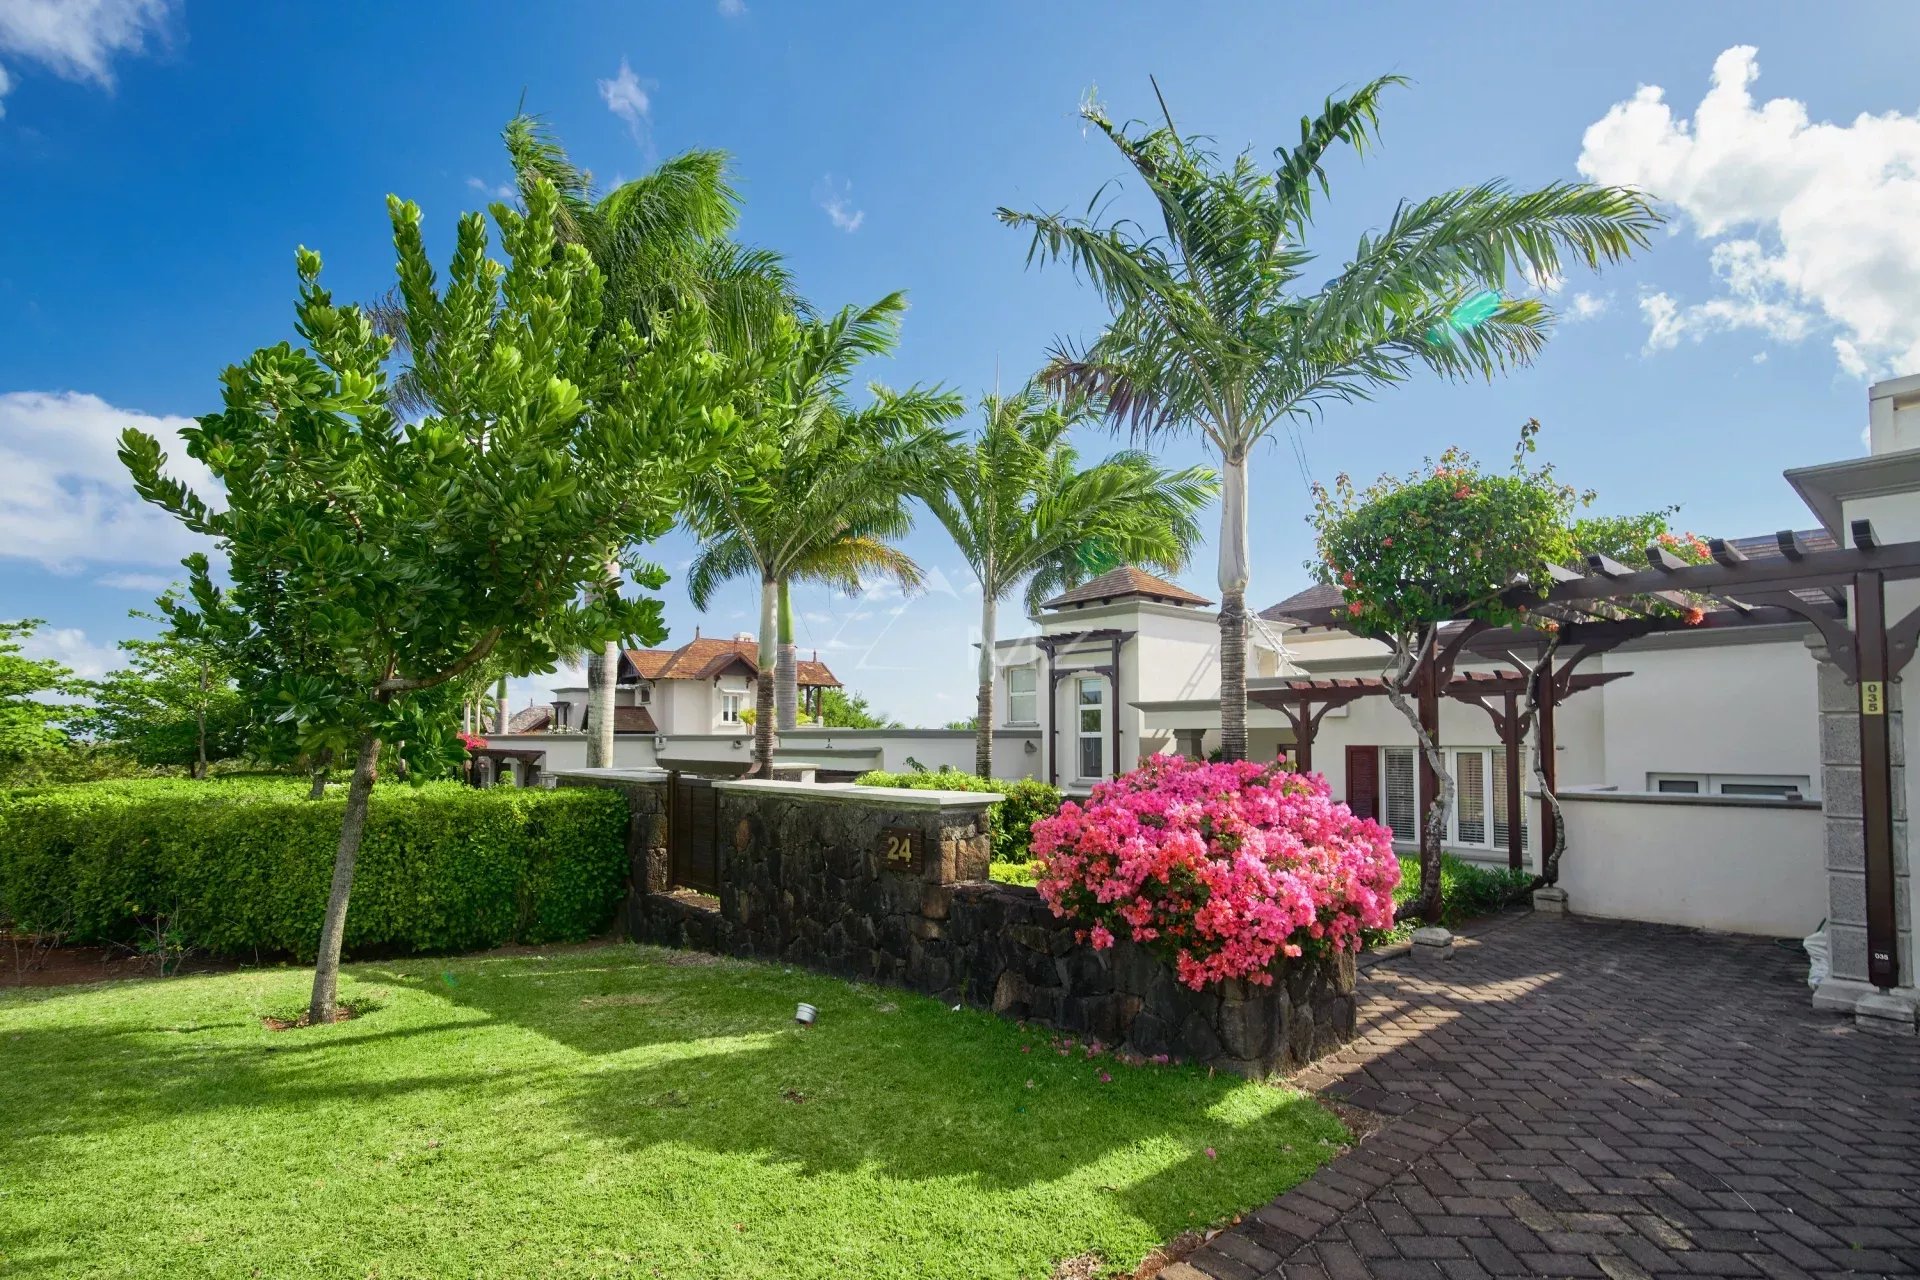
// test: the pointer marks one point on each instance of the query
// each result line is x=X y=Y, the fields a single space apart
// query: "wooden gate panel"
x=693 y=835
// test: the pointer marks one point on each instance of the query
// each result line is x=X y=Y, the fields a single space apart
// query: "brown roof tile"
x=1117 y=584
x=625 y=720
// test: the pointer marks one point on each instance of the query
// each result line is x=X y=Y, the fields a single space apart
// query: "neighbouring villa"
x=1709 y=776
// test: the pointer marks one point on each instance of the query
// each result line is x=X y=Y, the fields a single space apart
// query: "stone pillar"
x=1847 y=990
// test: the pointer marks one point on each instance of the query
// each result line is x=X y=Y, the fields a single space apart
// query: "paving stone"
x=1602 y=1101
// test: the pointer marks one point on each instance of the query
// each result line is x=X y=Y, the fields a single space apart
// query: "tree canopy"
x=373 y=560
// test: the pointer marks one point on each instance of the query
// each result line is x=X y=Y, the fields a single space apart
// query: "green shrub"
x=243 y=866
x=1009 y=823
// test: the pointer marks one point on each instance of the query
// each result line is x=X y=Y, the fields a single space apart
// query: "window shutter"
x=1363 y=781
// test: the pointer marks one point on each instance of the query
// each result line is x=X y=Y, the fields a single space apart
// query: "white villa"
x=1709 y=778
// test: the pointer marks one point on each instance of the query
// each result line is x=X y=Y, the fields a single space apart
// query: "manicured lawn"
x=601 y=1111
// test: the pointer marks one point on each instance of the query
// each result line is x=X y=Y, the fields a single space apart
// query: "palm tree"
x=661 y=241
x=1211 y=331
x=817 y=488
x=1021 y=509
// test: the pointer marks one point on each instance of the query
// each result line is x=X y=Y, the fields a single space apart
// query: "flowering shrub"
x=1218 y=868
x=472 y=741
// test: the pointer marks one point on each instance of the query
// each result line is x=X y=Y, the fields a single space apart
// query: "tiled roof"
x=535 y=719
x=625 y=720
x=1318 y=599
x=702 y=659
x=1118 y=584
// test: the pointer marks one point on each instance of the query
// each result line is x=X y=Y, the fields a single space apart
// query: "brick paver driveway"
x=1576 y=1098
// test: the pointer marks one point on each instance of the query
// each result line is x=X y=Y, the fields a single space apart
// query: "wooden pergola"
x=1840 y=592
x=1499 y=693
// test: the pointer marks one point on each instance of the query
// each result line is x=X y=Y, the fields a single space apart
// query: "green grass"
x=1014 y=873
x=597 y=1112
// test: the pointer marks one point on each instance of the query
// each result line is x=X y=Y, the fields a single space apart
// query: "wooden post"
x=1516 y=807
x=1427 y=695
x=1876 y=777
x=1303 y=726
x=1549 y=830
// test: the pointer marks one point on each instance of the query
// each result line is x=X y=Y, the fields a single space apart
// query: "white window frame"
x=732 y=703
x=1031 y=694
x=1081 y=736
x=1492 y=799
x=1716 y=784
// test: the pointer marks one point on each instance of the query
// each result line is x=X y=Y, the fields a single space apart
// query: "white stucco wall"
x=1721 y=709
x=1756 y=867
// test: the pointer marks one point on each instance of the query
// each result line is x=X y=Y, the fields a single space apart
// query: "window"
x=730 y=704
x=1090 y=697
x=1497 y=789
x=645 y=694
x=1772 y=786
x=1399 y=772
x=1479 y=818
x=1470 y=797
x=1023 y=702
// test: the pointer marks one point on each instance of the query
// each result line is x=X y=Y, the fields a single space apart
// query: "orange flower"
x=1695 y=615
x=1463 y=492
x=1386 y=542
x=1356 y=609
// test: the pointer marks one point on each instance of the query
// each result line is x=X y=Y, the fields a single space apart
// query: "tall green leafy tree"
x=816 y=488
x=389 y=558
x=1021 y=509
x=176 y=702
x=663 y=244
x=31 y=689
x=1215 y=332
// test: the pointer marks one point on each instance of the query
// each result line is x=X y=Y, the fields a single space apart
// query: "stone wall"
x=803 y=880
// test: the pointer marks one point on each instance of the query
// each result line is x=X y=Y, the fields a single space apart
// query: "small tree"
x=175 y=703
x=1452 y=541
x=1449 y=541
x=386 y=559
x=29 y=724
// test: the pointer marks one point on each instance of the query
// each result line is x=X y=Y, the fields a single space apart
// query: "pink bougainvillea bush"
x=1219 y=868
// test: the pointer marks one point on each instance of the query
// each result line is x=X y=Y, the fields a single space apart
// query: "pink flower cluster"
x=1219 y=868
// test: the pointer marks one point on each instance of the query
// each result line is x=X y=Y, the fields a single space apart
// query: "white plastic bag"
x=1819 y=957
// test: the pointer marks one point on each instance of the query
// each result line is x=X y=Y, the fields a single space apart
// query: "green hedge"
x=242 y=867
x=1010 y=823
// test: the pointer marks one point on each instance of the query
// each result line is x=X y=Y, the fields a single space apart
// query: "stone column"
x=1847 y=990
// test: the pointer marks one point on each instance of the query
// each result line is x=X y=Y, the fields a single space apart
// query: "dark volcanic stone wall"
x=802 y=881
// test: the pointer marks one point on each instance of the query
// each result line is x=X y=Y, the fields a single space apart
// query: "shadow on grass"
x=887 y=1082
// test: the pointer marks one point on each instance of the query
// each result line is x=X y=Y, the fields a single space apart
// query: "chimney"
x=696 y=631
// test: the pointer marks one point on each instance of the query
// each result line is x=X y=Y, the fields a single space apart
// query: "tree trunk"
x=1233 y=609
x=983 y=705
x=1549 y=855
x=502 y=713
x=200 y=727
x=603 y=678
x=1427 y=904
x=326 y=969
x=317 y=788
x=763 y=713
x=786 y=668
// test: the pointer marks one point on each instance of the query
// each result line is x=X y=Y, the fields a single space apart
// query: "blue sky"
x=160 y=161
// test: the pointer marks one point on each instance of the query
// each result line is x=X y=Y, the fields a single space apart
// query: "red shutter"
x=1363 y=781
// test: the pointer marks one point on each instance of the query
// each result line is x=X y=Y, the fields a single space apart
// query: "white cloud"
x=69 y=501
x=152 y=582
x=732 y=8
x=500 y=191
x=70 y=646
x=627 y=98
x=836 y=198
x=1759 y=357
x=1586 y=306
x=77 y=39
x=1814 y=227
x=6 y=83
